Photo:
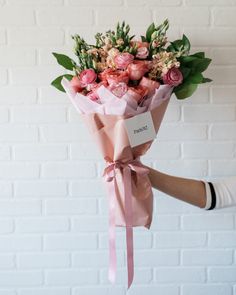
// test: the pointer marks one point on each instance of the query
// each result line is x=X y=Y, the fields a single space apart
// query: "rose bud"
x=87 y=76
x=122 y=60
x=142 y=53
x=173 y=77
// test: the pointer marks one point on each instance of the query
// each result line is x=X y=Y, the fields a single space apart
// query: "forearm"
x=188 y=190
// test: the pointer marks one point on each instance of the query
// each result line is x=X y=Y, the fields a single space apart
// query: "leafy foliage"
x=119 y=38
x=81 y=49
x=192 y=67
x=180 y=46
x=156 y=36
x=149 y=32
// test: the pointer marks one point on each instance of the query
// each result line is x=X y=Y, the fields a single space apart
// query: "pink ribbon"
x=110 y=178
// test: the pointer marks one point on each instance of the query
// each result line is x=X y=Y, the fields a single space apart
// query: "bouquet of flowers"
x=121 y=87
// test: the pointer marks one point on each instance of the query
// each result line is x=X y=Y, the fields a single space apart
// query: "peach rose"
x=103 y=75
x=173 y=77
x=150 y=84
x=117 y=76
x=137 y=69
x=87 y=76
x=122 y=60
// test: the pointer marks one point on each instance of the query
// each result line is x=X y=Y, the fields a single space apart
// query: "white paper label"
x=140 y=129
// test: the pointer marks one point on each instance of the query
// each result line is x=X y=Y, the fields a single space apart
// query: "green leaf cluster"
x=156 y=37
x=120 y=38
x=67 y=63
x=192 y=67
x=154 y=32
x=86 y=60
x=180 y=46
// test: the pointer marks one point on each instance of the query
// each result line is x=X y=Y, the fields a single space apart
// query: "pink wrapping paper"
x=129 y=189
x=111 y=137
x=123 y=166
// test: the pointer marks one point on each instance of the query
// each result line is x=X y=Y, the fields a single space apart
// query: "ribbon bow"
x=110 y=178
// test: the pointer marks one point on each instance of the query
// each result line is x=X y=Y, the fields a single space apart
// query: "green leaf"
x=199 y=64
x=206 y=80
x=149 y=32
x=143 y=39
x=170 y=48
x=199 y=54
x=186 y=43
x=187 y=59
x=185 y=90
x=185 y=71
x=202 y=65
x=64 y=61
x=57 y=82
x=195 y=78
x=178 y=45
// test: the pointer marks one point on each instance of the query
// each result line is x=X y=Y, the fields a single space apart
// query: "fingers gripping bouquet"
x=122 y=87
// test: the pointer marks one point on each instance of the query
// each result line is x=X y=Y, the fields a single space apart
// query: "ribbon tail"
x=112 y=239
x=129 y=224
x=130 y=258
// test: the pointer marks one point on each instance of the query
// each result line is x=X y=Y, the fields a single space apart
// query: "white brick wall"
x=53 y=207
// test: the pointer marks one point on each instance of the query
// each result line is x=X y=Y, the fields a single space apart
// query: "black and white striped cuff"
x=210 y=196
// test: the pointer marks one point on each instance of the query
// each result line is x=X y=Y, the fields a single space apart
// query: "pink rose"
x=173 y=77
x=122 y=60
x=119 y=89
x=137 y=69
x=150 y=84
x=117 y=76
x=87 y=76
x=142 y=52
x=76 y=84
